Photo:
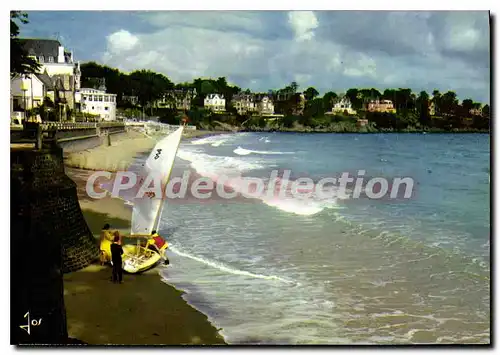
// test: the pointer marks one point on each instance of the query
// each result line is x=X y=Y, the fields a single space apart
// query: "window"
x=41 y=59
x=92 y=107
x=100 y=98
x=106 y=108
x=90 y=97
x=106 y=99
x=51 y=59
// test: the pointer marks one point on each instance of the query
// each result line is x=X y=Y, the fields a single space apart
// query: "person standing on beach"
x=105 y=244
x=116 y=257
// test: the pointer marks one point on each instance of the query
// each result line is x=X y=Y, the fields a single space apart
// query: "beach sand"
x=141 y=311
x=124 y=148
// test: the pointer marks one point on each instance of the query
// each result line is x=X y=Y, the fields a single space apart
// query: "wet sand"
x=141 y=311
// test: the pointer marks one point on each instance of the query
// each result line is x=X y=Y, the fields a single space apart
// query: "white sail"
x=147 y=210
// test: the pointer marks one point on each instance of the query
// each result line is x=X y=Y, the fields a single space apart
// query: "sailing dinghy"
x=147 y=209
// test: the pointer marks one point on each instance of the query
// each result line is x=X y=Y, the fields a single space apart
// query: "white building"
x=343 y=105
x=266 y=106
x=57 y=69
x=98 y=102
x=52 y=57
x=215 y=102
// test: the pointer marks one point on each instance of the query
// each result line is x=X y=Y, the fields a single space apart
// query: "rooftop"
x=41 y=47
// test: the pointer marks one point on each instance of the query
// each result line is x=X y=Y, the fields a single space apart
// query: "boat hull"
x=138 y=259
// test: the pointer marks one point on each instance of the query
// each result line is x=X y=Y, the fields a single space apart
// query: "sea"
x=269 y=269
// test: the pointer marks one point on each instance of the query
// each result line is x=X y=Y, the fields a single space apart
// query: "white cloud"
x=252 y=60
x=121 y=41
x=303 y=24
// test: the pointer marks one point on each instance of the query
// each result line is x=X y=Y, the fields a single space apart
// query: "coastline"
x=144 y=310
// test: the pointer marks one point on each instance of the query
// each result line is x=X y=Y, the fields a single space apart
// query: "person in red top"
x=158 y=244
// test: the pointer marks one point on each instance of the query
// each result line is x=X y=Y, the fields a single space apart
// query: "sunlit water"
x=339 y=271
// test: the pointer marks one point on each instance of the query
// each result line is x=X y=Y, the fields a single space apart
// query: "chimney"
x=60 y=57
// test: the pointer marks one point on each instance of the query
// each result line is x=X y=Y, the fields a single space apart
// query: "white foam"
x=218 y=143
x=214 y=139
x=299 y=206
x=210 y=164
x=243 y=151
x=225 y=268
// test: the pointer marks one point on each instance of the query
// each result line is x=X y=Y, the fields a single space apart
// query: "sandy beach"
x=143 y=310
x=122 y=152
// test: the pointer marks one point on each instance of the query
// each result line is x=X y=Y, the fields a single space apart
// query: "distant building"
x=476 y=111
x=98 y=102
x=342 y=105
x=266 y=106
x=179 y=99
x=215 y=102
x=362 y=122
x=134 y=100
x=432 y=109
x=381 y=106
x=244 y=103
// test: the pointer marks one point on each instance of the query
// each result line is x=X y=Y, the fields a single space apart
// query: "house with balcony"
x=343 y=105
x=98 y=103
x=215 y=102
x=381 y=106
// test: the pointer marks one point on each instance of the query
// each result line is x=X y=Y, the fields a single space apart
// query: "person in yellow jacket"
x=107 y=238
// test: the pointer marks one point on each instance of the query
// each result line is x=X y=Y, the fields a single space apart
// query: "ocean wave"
x=218 y=139
x=226 y=268
x=210 y=164
x=243 y=151
x=218 y=143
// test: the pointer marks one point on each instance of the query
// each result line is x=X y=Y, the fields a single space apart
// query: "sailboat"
x=147 y=211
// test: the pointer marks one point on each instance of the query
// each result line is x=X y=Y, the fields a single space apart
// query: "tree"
x=294 y=86
x=448 y=102
x=486 y=111
x=20 y=62
x=422 y=106
x=355 y=97
x=436 y=100
x=310 y=93
x=149 y=86
x=328 y=100
x=314 y=108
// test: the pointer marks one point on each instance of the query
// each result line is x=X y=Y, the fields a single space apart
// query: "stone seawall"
x=49 y=237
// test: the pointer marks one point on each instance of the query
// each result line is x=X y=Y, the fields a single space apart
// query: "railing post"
x=39 y=133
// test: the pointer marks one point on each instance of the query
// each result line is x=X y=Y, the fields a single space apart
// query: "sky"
x=262 y=50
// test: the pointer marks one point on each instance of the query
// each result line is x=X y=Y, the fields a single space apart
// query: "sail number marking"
x=158 y=152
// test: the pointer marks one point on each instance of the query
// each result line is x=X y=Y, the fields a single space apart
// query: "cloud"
x=121 y=41
x=329 y=50
x=303 y=24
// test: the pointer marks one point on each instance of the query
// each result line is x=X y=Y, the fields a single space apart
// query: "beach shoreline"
x=145 y=309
